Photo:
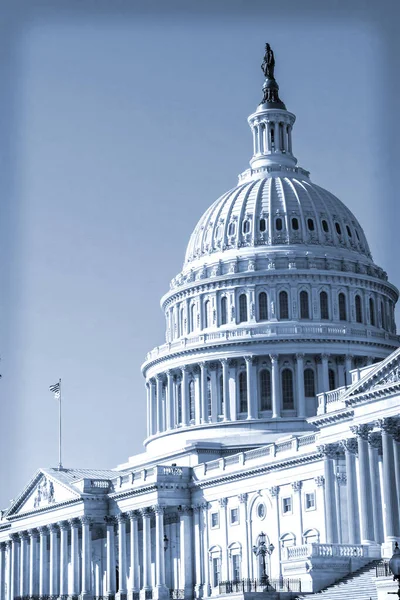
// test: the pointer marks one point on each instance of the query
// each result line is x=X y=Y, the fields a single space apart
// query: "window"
x=224 y=312
x=209 y=397
x=338 y=228
x=214 y=520
x=309 y=501
x=192 y=317
x=349 y=231
x=265 y=390
x=243 y=392
x=179 y=403
x=181 y=321
x=309 y=383
x=383 y=315
x=262 y=306
x=358 y=309
x=234 y=516
x=310 y=224
x=358 y=237
x=372 y=312
x=283 y=305
x=191 y=400
x=242 y=308
x=304 y=306
x=295 y=223
x=287 y=389
x=342 y=307
x=323 y=305
x=215 y=570
x=261 y=511
x=236 y=567
x=325 y=226
x=311 y=536
x=287 y=505
x=232 y=228
x=207 y=315
x=332 y=379
x=288 y=539
x=263 y=225
x=278 y=224
x=246 y=226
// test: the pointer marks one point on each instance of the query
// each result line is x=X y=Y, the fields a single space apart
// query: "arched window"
x=231 y=228
x=242 y=308
x=309 y=383
x=246 y=226
x=179 y=403
x=287 y=389
x=192 y=318
x=262 y=306
x=342 y=307
x=311 y=535
x=221 y=395
x=304 y=306
x=383 y=315
x=283 y=305
x=310 y=224
x=191 y=400
x=359 y=317
x=278 y=224
x=207 y=314
x=325 y=226
x=338 y=228
x=263 y=225
x=323 y=305
x=209 y=408
x=295 y=223
x=332 y=379
x=242 y=392
x=348 y=231
x=224 y=312
x=265 y=390
x=372 y=312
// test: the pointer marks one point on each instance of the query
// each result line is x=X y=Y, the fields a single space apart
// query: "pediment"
x=385 y=374
x=43 y=492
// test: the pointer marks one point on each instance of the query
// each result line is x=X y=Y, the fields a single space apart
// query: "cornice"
x=133 y=492
x=334 y=417
x=44 y=509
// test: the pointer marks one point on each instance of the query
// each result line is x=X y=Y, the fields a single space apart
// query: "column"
x=225 y=388
x=350 y=451
x=301 y=408
x=134 y=546
x=276 y=557
x=161 y=590
x=54 y=577
x=275 y=391
x=74 y=584
x=110 y=559
x=203 y=392
x=396 y=454
x=15 y=547
x=149 y=411
x=245 y=536
x=320 y=501
x=153 y=407
x=374 y=444
x=325 y=372
x=24 y=557
x=329 y=453
x=43 y=570
x=197 y=395
x=186 y=574
x=122 y=590
x=367 y=519
x=185 y=396
x=175 y=552
x=297 y=510
x=388 y=427
x=232 y=388
x=251 y=400
x=197 y=550
x=224 y=539
x=214 y=392
x=277 y=137
x=2 y=570
x=8 y=575
x=206 y=561
x=348 y=368
x=145 y=512
x=170 y=400
x=159 y=384
x=86 y=590
x=64 y=527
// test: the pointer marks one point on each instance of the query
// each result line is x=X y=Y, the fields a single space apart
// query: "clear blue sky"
x=118 y=128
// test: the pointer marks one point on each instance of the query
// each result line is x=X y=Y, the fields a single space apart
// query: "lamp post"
x=394 y=566
x=165 y=542
x=262 y=550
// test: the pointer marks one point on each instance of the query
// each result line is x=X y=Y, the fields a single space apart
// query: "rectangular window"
x=215 y=564
x=214 y=520
x=236 y=567
x=287 y=505
x=234 y=516
x=309 y=501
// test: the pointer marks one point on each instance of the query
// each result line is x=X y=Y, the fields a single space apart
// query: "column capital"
x=223 y=502
x=158 y=509
x=213 y=366
x=3 y=546
x=73 y=523
x=361 y=431
x=110 y=520
x=349 y=356
x=63 y=525
x=33 y=533
x=350 y=445
x=325 y=356
x=232 y=362
x=273 y=358
x=8 y=544
x=341 y=478
x=297 y=485
x=329 y=450
x=185 y=369
x=375 y=440
x=300 y=356
x=43 y=530
x=86 y=520
x=390 y=425
x=14 y=537
x=23 y=535
x=184 y=510
x=53 y=528
x=340 y=360
x=274 y=491
x=196 y=369
x=224 y=362
x=121 y=518
x=319 y=480
x=249 y=359
x=170 y=373
x=159 y=376
x=133 y=514
x=243 y=498
x=145 y=512
x=196 y=508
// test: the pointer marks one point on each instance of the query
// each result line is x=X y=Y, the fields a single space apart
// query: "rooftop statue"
x=268 y=64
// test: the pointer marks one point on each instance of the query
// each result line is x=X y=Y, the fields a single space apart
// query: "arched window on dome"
x=342 y=307
x=242 y=308
x=192 y=402
x=181 y=321
x=243 y=392
x=287 y=389
x=209 y=405
x=192 y=323
x=310 y=224
x=359 y=316
x=221 y=395
x=372 y=312
x=224 y=312
x=323 y=305
x=246 y=226
x=278 y=224
x=179 y=403
x=207 y=314
x=232 y=228
x=263 y=225
x=309 y=383
x=383 y=315
x=265 y=389
x=357 y=235
x=338 y=228
x=304 y=305
x=332 y=379
x=349 y=231
x=325 y=225
x=295 y=224
x=283 y=305
x=262 y=306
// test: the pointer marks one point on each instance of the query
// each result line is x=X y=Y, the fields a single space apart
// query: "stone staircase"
x=359 y=585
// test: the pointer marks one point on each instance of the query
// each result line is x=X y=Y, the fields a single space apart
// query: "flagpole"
x=59 y=431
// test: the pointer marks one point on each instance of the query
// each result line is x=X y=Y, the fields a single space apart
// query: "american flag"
x=56 y=389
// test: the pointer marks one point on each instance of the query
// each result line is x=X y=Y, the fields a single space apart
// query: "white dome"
x=278 y=210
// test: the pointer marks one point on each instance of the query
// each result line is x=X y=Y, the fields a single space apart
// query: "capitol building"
x=272 y=451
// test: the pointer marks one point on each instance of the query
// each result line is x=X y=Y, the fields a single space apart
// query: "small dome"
x=276 y=211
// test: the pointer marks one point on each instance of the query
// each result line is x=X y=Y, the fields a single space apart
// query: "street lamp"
x=262 y=550
x=166 y=542
x=394 y=566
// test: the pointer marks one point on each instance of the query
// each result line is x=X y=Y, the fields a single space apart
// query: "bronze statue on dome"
x=268 y=63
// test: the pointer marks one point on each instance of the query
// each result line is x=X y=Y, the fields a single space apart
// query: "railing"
x=284 y=446
x=176 y=594
x=263 y=451
x=260 y=585
x=326 y=551
x=306 y=440
x=382 y=569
